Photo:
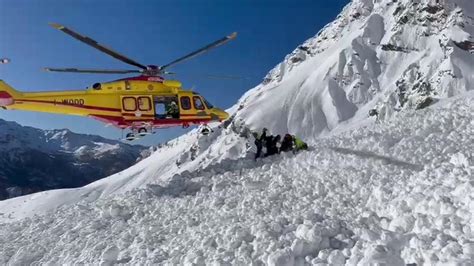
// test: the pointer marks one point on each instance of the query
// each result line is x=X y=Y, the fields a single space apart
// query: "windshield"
x=208 y=104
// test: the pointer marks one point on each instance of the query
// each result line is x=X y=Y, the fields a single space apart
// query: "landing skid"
x=138 y=132
x=130 y=137
x=205 y=130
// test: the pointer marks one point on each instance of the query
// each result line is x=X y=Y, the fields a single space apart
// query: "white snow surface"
x=395 y=192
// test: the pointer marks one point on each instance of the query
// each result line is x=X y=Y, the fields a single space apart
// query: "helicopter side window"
x=144 y=104
x=129 y=104
x=185 y=103
x=198 y=105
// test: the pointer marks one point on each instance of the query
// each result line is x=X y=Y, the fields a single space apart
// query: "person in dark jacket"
x=287 y=144
x=260 y=142
x=172 y=110
x=272 y=145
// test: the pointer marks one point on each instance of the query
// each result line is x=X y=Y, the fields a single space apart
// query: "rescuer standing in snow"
x=259 y=142
x=272 y=145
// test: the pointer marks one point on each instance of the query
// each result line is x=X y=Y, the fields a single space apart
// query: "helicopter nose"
x=223 y=115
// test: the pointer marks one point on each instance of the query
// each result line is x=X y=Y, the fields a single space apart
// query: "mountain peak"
x=33 y=160
x=385 y=55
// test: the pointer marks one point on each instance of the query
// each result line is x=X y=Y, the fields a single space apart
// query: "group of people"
x=275 y=144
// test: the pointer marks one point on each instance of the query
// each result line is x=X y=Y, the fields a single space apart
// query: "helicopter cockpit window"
x=208 y=104
x=198 y=105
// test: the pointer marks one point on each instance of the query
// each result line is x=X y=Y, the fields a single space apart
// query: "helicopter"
x=140 y=104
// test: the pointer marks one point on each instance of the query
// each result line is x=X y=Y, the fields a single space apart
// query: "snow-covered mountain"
x=389 y=55
x=394 y=192
x=33 y=160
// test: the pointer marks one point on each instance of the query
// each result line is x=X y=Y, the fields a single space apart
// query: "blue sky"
x=150 y=32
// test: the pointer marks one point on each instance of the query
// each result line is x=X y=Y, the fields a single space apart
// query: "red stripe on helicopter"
x=119 y=121
x=137 y=116
x=144 y=78
x=190 y=115
x=72 y=105
x=152 y=115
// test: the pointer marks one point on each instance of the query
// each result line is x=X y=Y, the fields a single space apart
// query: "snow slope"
x=394 y=193
x=176 y=156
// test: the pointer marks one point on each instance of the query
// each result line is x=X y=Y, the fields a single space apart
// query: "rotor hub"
x=152 y=70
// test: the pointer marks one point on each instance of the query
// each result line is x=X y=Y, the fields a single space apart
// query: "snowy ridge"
x=389 y=55
x=394 y=193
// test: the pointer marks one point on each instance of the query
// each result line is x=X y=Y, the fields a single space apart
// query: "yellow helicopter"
x=139 y=103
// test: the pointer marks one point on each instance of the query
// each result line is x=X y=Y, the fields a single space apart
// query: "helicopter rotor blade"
x=209 y=76
x=91 y=71
x=97 y=46
x=201 y=50
x=224 y=77
x=168 y=73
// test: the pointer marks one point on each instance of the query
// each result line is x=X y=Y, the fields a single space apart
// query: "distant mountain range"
x=33 y=160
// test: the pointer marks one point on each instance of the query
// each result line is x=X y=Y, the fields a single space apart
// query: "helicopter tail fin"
x=7 y=94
